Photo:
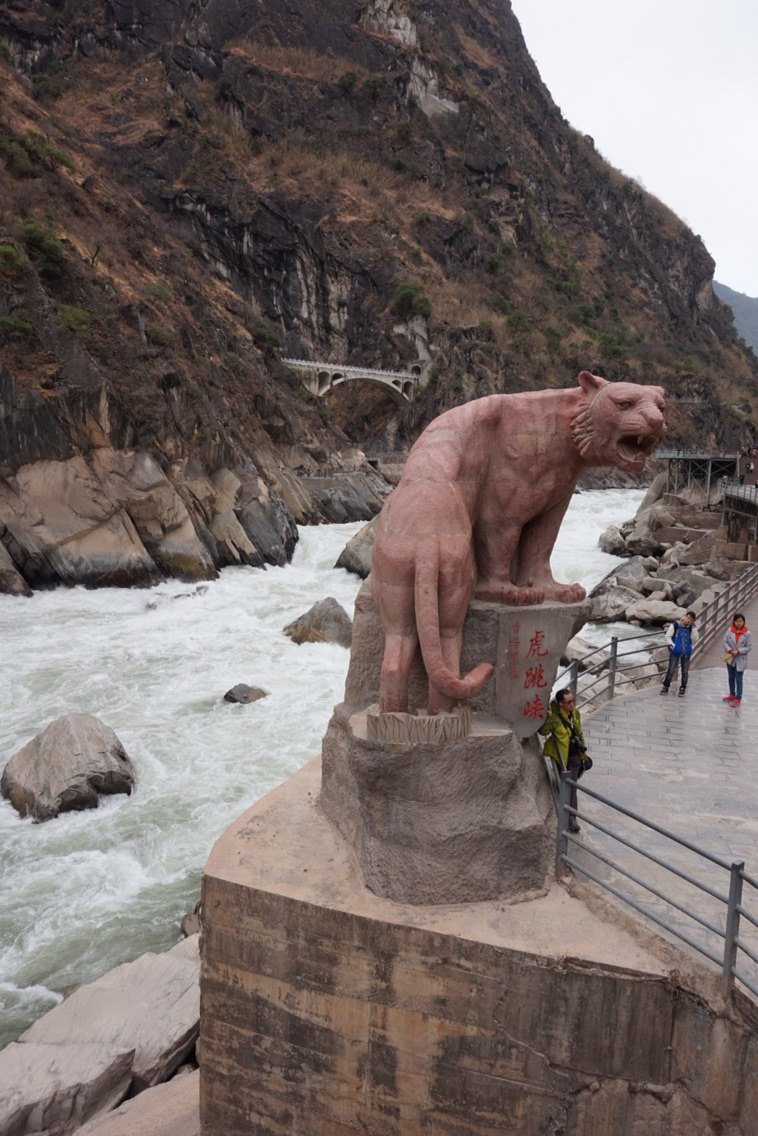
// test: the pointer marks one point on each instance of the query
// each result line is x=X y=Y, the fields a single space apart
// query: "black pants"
x=574 y=770
x=674 y=661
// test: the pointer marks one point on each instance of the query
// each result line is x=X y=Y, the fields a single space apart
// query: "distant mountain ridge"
x=745 y=310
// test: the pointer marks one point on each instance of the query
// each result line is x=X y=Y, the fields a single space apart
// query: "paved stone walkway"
x=689 y=764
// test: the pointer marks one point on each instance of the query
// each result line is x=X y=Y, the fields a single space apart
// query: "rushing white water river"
x=89 y=890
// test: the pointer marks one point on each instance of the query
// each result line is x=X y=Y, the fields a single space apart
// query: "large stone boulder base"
x=67 y=766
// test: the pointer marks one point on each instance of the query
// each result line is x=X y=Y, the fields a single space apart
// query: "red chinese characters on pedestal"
x=525 y=651
x=534 y=676
x=514 y=647
x=536 y=644
x=535 y=709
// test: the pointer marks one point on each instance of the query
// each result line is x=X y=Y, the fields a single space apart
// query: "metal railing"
x=600 y=670
x=729 y=900
x=742 y=492
x=602 y=676
x=715 y=616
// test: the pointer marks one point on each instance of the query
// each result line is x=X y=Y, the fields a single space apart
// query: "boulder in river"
x=244 y=693
x=326 y=622
x=357 y=553
x=67 y=766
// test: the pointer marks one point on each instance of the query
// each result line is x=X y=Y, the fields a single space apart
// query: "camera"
x=576 y=746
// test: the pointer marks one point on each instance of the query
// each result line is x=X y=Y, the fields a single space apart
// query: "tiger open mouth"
x=636 y=448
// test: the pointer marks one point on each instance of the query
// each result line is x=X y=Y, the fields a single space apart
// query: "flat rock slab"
x=45 y=1087
x=151 y=1005
x=172 y=1109
x=127 y=1031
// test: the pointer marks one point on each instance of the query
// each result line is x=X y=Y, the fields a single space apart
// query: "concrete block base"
x=329 y=1011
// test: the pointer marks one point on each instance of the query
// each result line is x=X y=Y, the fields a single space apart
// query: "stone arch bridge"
x=320 y=378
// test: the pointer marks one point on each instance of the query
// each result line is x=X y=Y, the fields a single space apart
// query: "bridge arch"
x=319 y=378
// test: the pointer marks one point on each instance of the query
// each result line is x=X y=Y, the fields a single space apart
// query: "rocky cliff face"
x=191 y=190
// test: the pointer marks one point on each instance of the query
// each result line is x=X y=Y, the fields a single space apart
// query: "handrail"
x=730 y=903
x=608 y=677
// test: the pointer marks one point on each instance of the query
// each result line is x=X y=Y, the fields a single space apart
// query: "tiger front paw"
x=566 y=593
x=512 y=595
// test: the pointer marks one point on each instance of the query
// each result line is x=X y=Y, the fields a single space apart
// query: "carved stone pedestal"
x=451 y=821
x=467 y=820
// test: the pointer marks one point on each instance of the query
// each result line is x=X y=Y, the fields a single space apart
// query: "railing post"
x=574 y=675
x=732 y=923
x=612 y=666
x=561 y=844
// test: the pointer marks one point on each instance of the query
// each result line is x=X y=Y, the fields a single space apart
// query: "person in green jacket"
x=565 y=743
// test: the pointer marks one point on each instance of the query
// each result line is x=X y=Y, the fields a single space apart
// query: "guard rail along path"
x=596 y=676
x=720 y=899
x=703 y=899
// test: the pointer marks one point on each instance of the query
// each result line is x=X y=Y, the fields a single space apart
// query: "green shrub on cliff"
x=71 y=318
x=409 y=299
x=14 y=325
x=16 y=158
x=43 y=246
x=49 y=155
x=10 y=260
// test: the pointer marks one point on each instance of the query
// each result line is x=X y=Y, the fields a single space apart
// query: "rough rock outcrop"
x=116 y=518
x=11 y=581
x=678 y=550
x=67 y=766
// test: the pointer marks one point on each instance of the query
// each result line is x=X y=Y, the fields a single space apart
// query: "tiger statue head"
x=618 y=424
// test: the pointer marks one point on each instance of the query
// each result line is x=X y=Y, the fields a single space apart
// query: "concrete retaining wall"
x=329 y=1012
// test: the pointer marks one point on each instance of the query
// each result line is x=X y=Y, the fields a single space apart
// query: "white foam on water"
x=89 y=890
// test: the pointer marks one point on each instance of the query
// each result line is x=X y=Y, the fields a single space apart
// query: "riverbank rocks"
x=350 y=496
x=326 y=622
x=677 y=551
x=67 y=766
x=125 y=1032
x=172 y=1109
x=115 y=517
x=12 y=583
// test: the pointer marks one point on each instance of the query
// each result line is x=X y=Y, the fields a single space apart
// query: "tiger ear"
x=590 y=383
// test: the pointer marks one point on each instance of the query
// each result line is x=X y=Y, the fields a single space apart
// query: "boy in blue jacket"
x=681 y=636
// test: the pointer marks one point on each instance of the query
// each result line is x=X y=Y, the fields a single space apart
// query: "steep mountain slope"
x=189 y=186
x=745 y=309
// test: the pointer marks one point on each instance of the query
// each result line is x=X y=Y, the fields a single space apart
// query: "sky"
x=668 y=90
